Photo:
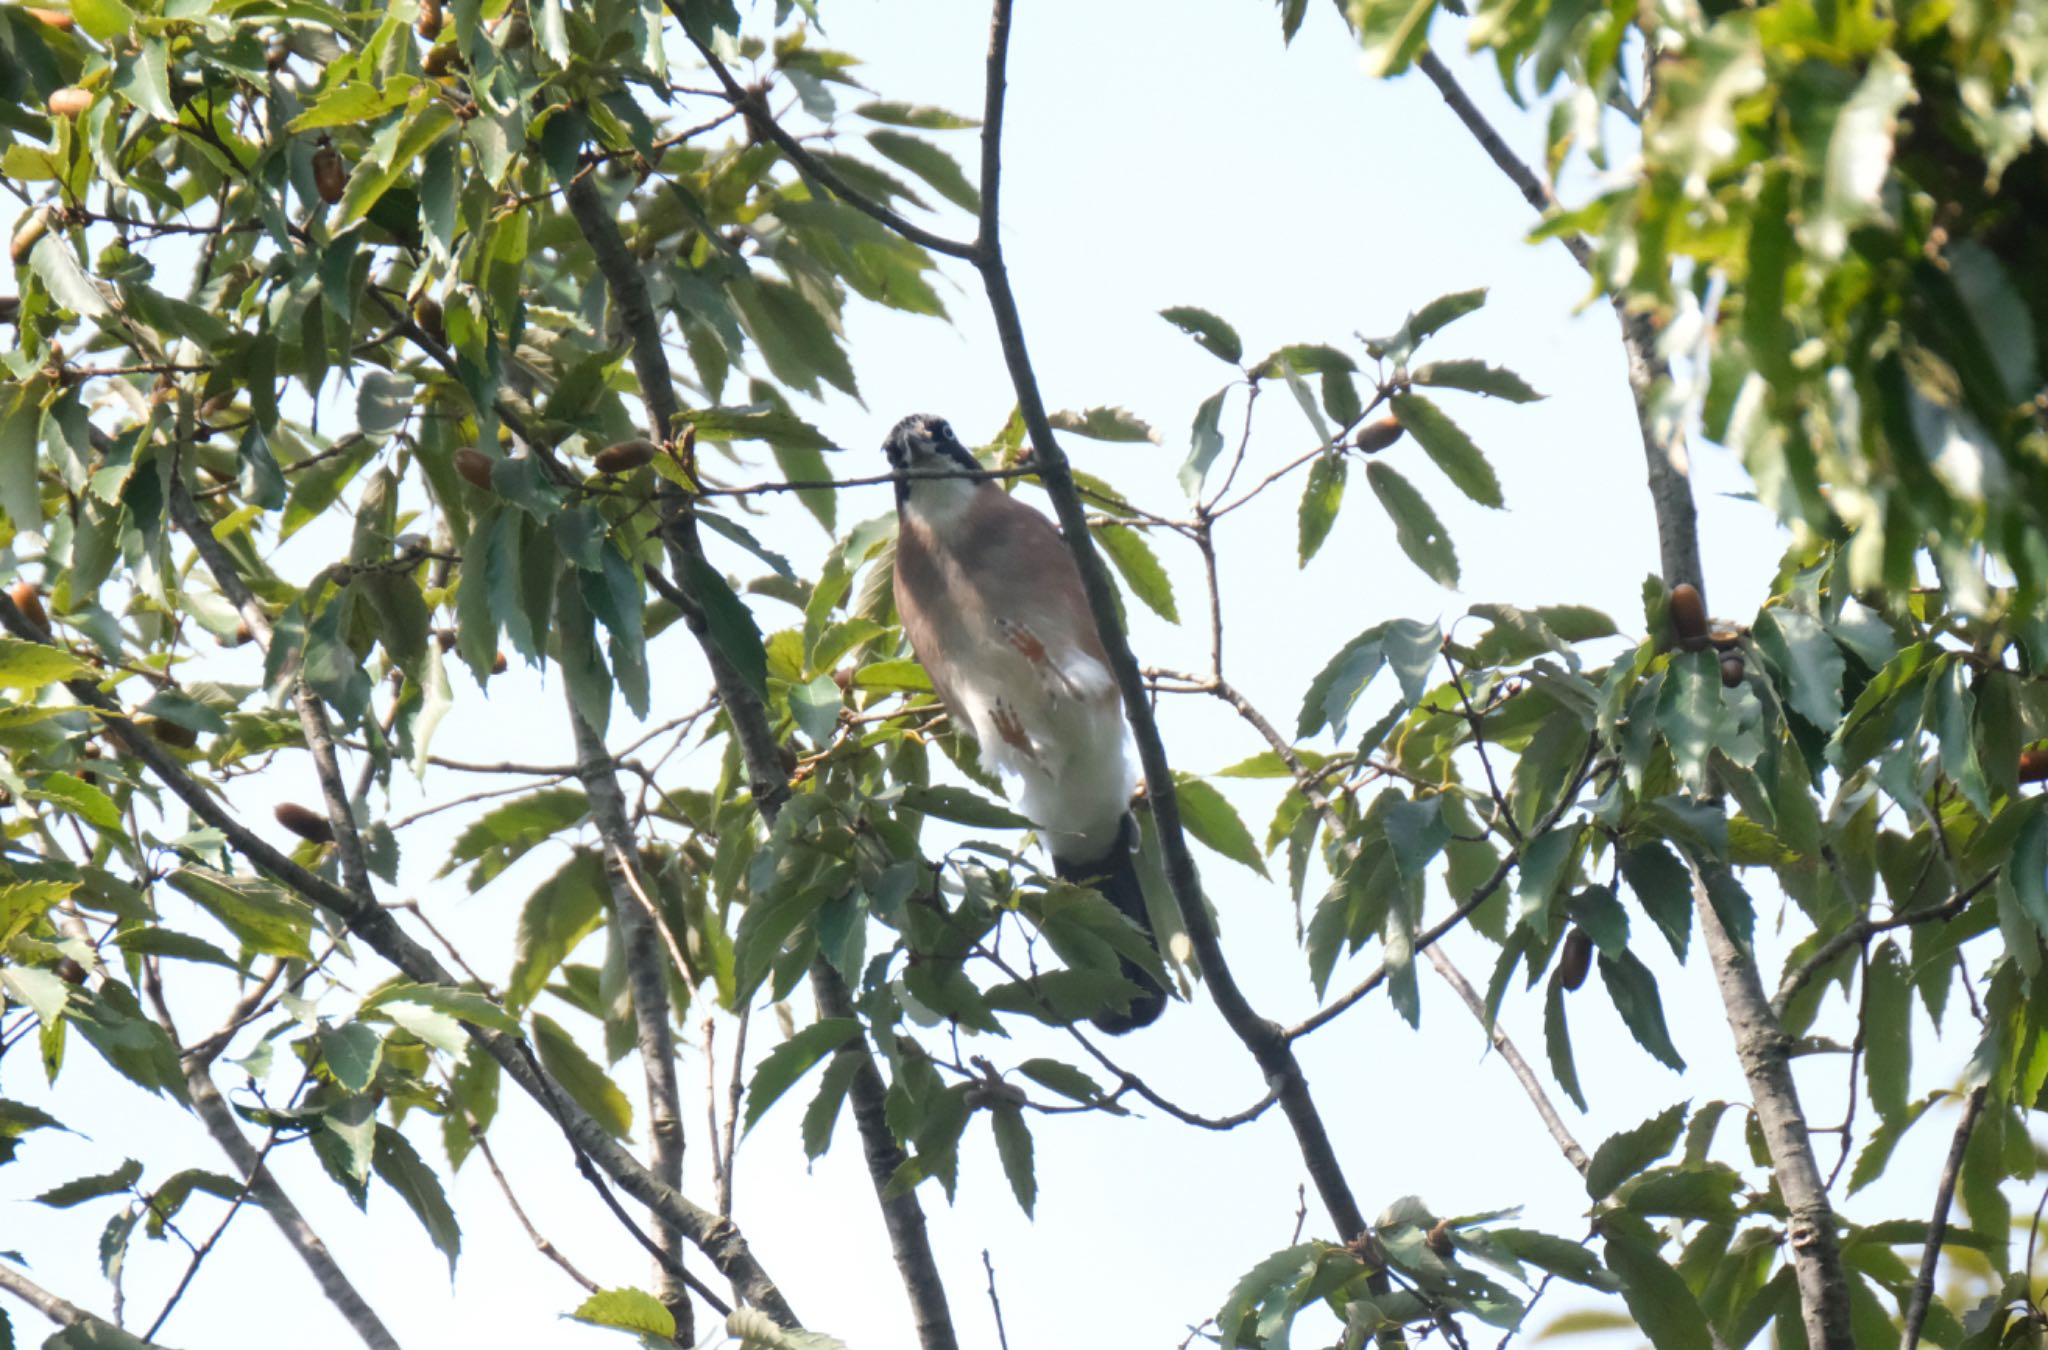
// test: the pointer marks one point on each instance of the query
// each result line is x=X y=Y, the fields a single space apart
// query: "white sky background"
x=1157 y=154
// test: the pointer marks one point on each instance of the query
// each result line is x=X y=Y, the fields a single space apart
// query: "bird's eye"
x=941 y=430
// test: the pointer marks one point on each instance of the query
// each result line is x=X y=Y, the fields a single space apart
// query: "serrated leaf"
x=1139 y=566
x=80 y=798
x=1208 y=815
x=1449 y=448
x=1062 y=1078
x=781 y=1068
x=731 y=624
x=922 y=116
x=1557 y=1041
x=587 y=1084
x=1216 y=337
x=930 y=163
x=1013 y=1147
x=402 y=1169
x=628 y=1310
x=1321 y=497
x=1888 y=1030
x=263 y=918
x=82 y=1189
x=561 y=912
x=28 y=666
x=1664 y=1307
x=352 y=1052
x=1105 y=424
x=961 y=806
x=1622 y=1155
x=1476 y=377
x=1416 y=528
x=1634 y=991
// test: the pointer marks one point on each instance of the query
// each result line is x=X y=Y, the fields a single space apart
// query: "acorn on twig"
x=330 y=174
x=307 y=824
x=1688 y=617
x=474 y=466
x=625 y=456
x=1374 y=437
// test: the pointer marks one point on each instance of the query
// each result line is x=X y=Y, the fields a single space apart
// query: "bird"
x=995 y=612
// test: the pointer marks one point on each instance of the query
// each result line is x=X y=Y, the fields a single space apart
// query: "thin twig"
x=540 y=1241
x=1937 y=1226
x=1002 y=1336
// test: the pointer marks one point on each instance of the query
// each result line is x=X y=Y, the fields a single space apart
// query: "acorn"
x=51 y=18
x=1576 y=959
x=69 y=101
x=474 y=465
x=33 y=226
x=1688 y=617
x=306 y=824
x=446 y=638
x=1438 y=1238
x=441 y=59
x=498 y=664
x=330 y=174
x=1374 y=437
x=1731 y=669
x=30 y=602
x=426 y=312
x=624 y=457
x=429 y=25
x=241 y=634
x=2034 y=765
x=70 y=971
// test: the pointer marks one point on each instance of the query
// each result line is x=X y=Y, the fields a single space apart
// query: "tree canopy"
x=355 y=346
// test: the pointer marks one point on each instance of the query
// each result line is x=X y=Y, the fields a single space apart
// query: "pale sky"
x=1158 y=154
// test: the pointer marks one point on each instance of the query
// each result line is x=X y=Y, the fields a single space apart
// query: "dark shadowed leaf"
x=1216 y=337
x=781 y=1068
x=1476 y=377
x=1449 y=448
x=1416 y=528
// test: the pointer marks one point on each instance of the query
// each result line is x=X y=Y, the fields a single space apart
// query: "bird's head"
x=922 y=443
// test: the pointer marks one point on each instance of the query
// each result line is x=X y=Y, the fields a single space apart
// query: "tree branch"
x=1264 y=1038
x=1663 y=446
x=62 y=1312
x=719 y=1239
x=646 y=973
x=1937 y=1227
x=902 y=1214
x=1764 y=1051
x=1863 y=929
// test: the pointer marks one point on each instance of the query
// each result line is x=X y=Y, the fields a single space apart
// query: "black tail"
x=1115 y=875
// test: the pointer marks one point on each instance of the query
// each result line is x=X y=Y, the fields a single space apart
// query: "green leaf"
x=80 y=798
x=816 y=705
x=1139 y=566
x=1320 y=499
x=53 y=261
x=352 y=1052
x=1449 y=448
x=504 y=834
x=930 y=163
x=587 y=1084
x=262 y=917
x=918 y=115
x=732 y=628
x=1416 y=528
x=1105 y=424
x=1208 y=815
x=105 y=19
x=116 y=1182
x=1888 y=1030
x=628 y=1310
x=561 y=912
x=1557 y=1040
x=1623 y=1155
x=1634 y=991
x=1013 y=1147
x=1806 y=662
x=1859 y=151
x=143 y=79
x=1664 y=887
x=1476 y=377
x=1216 y=337
x=1662 y=1304
x=1339 y=683
x=29 y=666
x=960 y=805
x=1445 y=309
x=404 y=1171
x=1207 y=442
x=823 y=1112
x=371 y=178
x=781 y=1068
x=1062 y=1078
